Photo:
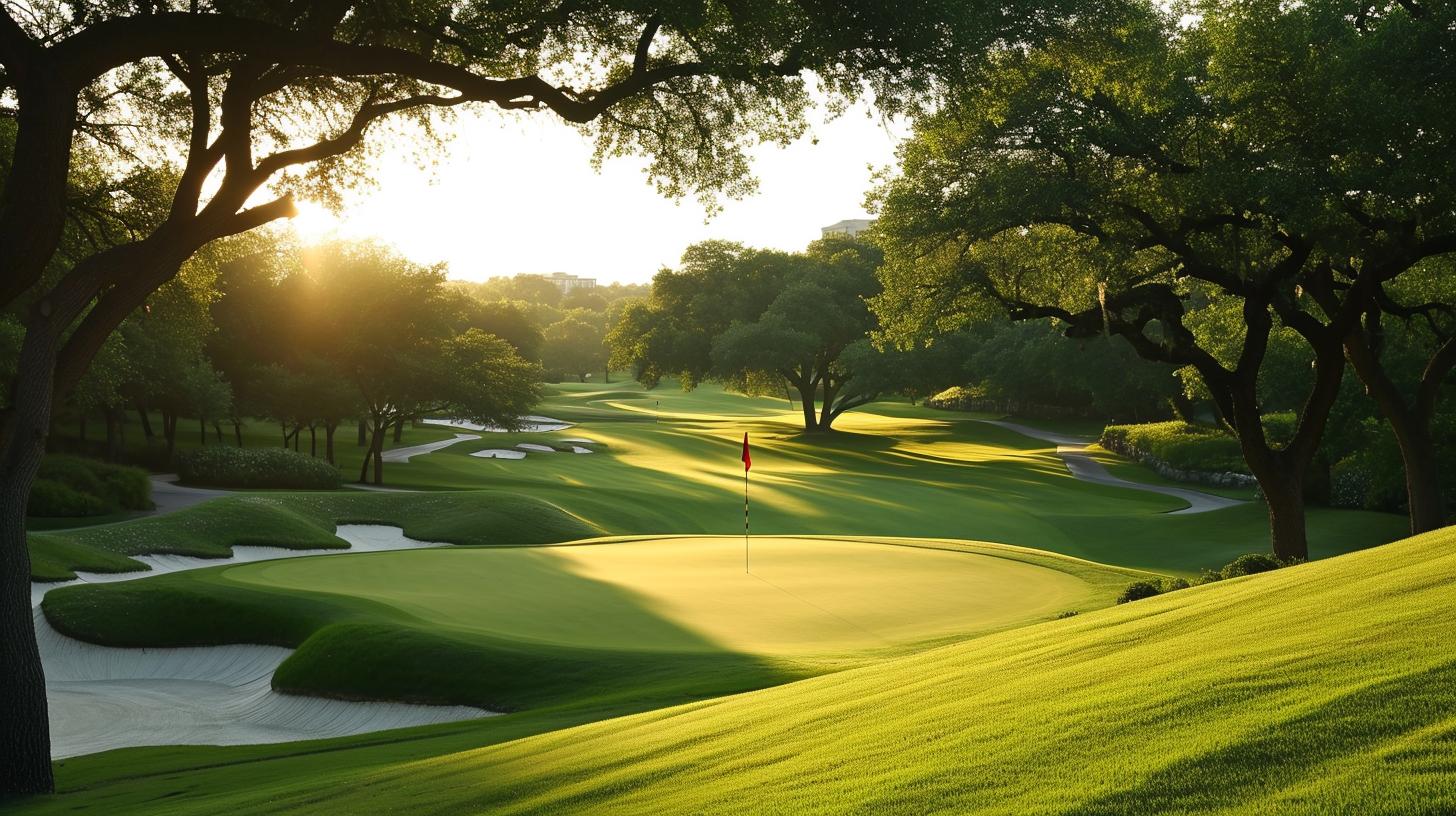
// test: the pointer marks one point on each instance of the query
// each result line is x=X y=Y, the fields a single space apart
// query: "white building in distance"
x=567 y=283
x=849 y=226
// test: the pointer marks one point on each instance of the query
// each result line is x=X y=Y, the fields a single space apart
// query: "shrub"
x=70 y=486
x=1243 y=565
x=1250 y=564
x=219 y=466
x=1178 y=444
x=1138 y=590
x=52 y=499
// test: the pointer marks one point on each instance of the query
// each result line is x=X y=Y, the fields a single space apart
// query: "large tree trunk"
x=1284 y=494
x=399 y=430
x=25 y=760
x=1411 y=424
x=1422 y=474
x=363 y=434
x=146 y=422
x=378 y=456
x=169 y=431
x=827 y=414
x=313 y=440
x=113 y=418
x=329 y=428
x=238 y=432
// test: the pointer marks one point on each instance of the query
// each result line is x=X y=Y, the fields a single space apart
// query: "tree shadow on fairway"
x=1290 y=751
x=506 y=629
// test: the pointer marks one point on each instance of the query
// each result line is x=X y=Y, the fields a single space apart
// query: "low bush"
x=221 y=466
x=1178 y=444
x=72 y=487
x=52 y=499
x=1137 y=590
x=1249 y=564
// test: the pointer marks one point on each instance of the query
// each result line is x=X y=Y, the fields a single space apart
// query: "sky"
x=512 y=193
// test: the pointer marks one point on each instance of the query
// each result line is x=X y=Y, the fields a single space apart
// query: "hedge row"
x=223 y=466
x=1178 y=444
x=72 y=487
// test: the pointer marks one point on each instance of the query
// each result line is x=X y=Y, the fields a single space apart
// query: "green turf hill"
x=1325 y=688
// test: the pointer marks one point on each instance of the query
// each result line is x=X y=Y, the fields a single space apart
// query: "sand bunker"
x=500 y=453
x=102 y=697
x=529 y=424
x=532 y=446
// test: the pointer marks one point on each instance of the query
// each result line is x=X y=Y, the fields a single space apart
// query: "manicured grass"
x=521 y=627
x=1327 y=688
x=893 y=470
x=668 y=463
x=303 y=521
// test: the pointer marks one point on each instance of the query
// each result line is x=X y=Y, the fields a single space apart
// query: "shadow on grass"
x=1287 y=752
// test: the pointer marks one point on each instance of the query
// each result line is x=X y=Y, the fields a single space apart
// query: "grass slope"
x=1328 y=688
x=303 y=521
x=628 y=620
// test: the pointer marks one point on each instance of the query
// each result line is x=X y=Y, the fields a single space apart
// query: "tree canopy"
x=1123 y=176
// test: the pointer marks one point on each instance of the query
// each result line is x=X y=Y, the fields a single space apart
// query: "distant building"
x=567 y=283
x=849 y=226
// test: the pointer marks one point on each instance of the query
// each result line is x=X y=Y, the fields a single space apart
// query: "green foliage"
x=70 y=486
x=574 y=345
x=1251 y=564
x=1137 y=590
x=51 y=499
x=225 y=466
x=740 y=315
x=1179 y=444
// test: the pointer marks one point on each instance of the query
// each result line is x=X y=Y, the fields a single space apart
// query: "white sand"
x=102 y=697
x=500 y=453
x=580 y=449
x=404 y=454
x=532 y=446
x=581 y=440
x=529 y=424
x=1072 y=451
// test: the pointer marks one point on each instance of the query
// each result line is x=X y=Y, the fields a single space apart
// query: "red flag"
x=747 y=460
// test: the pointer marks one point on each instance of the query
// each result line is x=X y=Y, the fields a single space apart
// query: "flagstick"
x=745 y=519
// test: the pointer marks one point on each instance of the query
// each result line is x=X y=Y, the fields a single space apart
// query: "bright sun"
x=314 y=222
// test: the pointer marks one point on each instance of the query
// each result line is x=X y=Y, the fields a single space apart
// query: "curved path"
x=404 y=454
x=1072 y=450
x=103 y=697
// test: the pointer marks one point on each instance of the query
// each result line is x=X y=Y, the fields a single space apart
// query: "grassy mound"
x=303 y=522
x=652 y=619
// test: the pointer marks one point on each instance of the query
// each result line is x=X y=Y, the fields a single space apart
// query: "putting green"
x=804 y=596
